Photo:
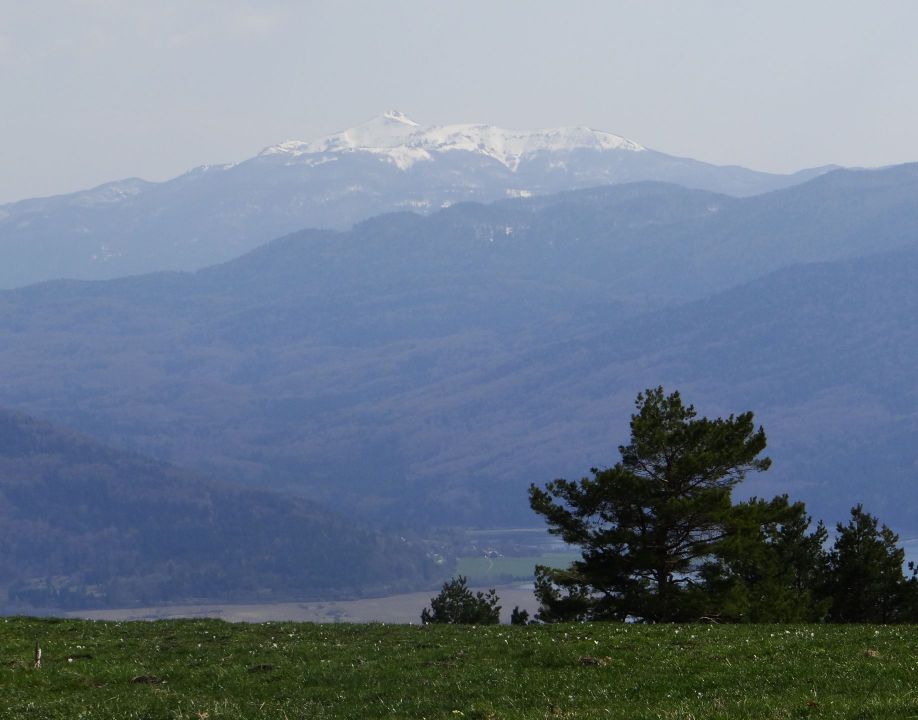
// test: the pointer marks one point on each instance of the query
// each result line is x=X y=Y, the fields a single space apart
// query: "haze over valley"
x=313 y=302
x=458 y=360
x=419 y=371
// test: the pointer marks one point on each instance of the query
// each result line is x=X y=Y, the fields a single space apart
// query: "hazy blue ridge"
x=215 y=213
x=428 y=368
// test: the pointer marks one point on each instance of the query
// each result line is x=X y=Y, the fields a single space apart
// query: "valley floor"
x=212 y=670
x=401 y=609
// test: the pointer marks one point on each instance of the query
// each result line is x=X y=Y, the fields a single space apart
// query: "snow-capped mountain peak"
x=399 y=139
x=511 y=146
x=399 y=116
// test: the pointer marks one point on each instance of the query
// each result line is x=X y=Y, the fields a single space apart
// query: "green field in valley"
x=210 y=670
x=501 y=569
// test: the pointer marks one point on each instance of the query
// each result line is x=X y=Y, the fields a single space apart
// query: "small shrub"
x=457 y=605
x=519 y=617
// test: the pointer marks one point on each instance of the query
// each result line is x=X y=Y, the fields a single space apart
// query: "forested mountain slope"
x=431 y=367
x=83 y=525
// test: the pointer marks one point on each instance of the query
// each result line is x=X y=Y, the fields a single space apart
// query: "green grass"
x=211 y=670
x=482 y=570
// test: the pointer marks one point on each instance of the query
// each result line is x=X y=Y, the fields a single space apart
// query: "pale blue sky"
x=95 y=90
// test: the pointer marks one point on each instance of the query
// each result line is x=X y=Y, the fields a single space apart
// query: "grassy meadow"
x=210 y=670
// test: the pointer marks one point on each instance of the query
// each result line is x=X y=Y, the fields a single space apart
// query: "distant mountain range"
x=83 y=525
x=390 y=163
x=431 y=367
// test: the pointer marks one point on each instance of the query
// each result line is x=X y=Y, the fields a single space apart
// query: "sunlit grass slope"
x=209 y=669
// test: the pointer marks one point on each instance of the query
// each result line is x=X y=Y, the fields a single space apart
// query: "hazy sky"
x=95 y=90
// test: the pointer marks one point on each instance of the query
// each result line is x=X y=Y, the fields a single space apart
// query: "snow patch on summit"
x=509 y=147
x=392 y=129
x=397 y=138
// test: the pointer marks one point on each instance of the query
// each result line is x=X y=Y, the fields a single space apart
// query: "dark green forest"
x=83 y=526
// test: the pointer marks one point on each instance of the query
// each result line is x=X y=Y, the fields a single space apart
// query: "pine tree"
x=772 y=567
x=646 y=525
x=867 y=584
